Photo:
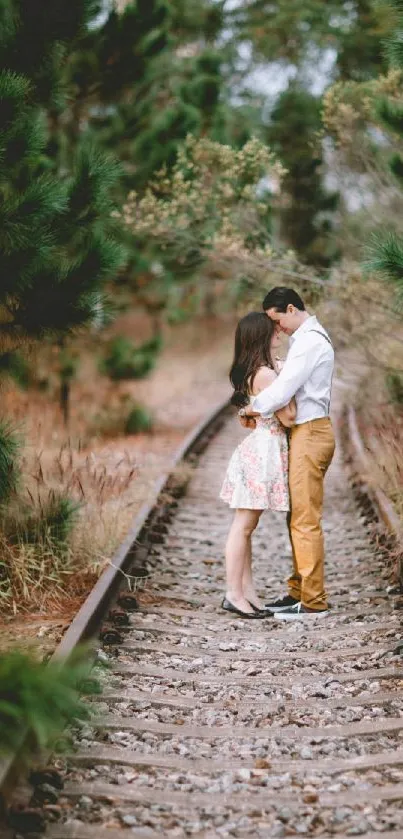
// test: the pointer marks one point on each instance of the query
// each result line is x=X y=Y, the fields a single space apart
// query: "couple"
x=276 y=469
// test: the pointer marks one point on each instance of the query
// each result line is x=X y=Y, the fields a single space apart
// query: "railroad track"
x=210 y=726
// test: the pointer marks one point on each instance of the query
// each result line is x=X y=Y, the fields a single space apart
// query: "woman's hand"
x=247 y=417
x=248 y=422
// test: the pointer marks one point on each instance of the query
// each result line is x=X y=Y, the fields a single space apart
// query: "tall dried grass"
x=381 y=424
x=40 y=571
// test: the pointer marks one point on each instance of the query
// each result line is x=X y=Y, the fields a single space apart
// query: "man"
x=307 y=375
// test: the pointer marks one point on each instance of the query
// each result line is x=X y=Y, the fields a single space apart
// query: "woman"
x=257 y=475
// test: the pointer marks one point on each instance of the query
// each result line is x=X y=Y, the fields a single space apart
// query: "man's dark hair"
x=280 y=297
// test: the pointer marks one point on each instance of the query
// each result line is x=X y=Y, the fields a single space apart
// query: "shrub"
x=9 y=448
x=127 y=361
x=41 y=698
x=109 y=422
x=123 y=419
x=13 y=364
x=50 y=522
x=394 y=383
x=69 y=364
x=138 y=421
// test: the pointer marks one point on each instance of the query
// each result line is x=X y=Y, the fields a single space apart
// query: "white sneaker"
x=299 y=612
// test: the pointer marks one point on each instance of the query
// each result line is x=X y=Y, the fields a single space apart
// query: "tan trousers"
x=311 y=450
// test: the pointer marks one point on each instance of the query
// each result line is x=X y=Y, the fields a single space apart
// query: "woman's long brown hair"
x=252 y=350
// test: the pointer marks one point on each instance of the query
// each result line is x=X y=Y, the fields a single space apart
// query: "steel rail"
x=379 y=500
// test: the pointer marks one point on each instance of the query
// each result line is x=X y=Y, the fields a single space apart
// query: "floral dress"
x=257 y=474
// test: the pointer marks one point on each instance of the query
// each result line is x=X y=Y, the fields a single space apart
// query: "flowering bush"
x=207 y=221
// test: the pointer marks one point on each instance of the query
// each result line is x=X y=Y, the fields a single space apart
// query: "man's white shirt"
x=307 y=375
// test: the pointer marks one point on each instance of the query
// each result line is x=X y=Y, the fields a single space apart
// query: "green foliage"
x=14 y=365
x=360 y=53
x=391 y=113
x=394 y=49
x=367 y=120
x=39 y=39
x=37 y=550
x=58 y=242
x=306 y=216
x=386 y=254
x=396 y=166
x=297 y=32
x=126 y=418
x=58 y=239
x=386 y=257
x=138 y=421
x=50 y=522
x=149 y=96
x=9 y=448
x=69 y=363
x=211 y=205
x=38 y=698
x=125 y=360
x=394 y=383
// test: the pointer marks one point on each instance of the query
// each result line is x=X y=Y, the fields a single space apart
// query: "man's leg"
x=311 y=452
x=294 y=581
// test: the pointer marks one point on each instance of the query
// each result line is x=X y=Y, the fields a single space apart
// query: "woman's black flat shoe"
x=228 y=607
x=264 y=612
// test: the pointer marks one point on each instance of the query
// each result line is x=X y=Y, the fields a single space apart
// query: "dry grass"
x=40 y=574
x=381 y=425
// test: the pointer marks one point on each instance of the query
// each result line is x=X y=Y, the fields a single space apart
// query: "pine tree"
x=360 y=55
x=58 y=241
x=140 y=90
x=387 y=251
x=306 y=216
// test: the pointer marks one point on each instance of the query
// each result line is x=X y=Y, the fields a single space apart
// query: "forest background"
x=163 y=163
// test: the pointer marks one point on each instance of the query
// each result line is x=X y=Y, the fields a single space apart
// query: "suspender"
x=326 y=337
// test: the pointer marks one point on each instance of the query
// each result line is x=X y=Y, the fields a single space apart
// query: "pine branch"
x=396 y=5
x=393 y=49
x=396 y=166
x=391 y=114
x=386 y=258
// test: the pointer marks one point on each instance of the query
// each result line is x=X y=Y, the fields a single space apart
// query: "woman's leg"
x=238 y=556
x=248 y=585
